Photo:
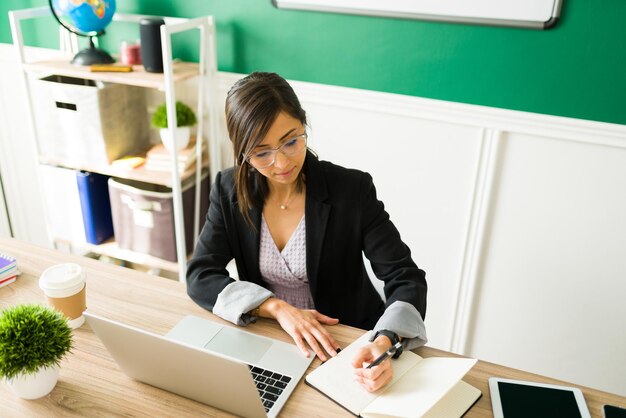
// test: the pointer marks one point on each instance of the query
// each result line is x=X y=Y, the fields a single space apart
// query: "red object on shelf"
x=130 y=54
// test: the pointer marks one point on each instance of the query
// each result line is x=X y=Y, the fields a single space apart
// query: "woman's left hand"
x=378 y=376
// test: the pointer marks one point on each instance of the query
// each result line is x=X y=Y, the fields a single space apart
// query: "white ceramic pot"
x=181 y=139
x=36 y=385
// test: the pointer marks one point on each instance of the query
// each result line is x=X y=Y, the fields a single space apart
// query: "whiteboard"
x=537 y=14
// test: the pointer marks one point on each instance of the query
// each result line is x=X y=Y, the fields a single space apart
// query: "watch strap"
x=393 y=337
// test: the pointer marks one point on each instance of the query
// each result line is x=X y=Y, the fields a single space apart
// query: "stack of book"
x=160 y=159
x=8 y=269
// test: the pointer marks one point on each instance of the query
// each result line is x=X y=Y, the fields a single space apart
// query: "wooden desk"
x=91 y=384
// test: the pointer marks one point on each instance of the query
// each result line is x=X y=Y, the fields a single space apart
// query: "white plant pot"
x=36 y=385
x=181 y=135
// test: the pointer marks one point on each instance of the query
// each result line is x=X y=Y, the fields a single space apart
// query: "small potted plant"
x=33 y=340
x=185 y=118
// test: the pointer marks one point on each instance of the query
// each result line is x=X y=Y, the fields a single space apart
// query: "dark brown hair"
x=252 y=105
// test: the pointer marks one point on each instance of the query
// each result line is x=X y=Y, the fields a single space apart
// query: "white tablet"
x=521 y=399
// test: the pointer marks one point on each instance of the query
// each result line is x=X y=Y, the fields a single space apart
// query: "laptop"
x=221 y=366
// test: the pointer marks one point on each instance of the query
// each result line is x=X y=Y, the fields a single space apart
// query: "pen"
x=390 y=352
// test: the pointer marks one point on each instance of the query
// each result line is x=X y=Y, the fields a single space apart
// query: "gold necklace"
x=285 y=205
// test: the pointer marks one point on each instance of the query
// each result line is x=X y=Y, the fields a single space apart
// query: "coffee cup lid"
x=61 y=276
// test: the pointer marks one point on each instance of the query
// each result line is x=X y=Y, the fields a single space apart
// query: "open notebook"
x=421 y=387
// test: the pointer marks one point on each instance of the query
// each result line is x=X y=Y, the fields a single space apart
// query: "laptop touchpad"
x=240 y=345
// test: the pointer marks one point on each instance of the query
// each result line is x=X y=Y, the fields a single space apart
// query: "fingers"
x=364 y=355
x=326 y=340
x=317 y=338
x=374 y=378
x=310 y=339
x=301 y=345
x=324 y=336
x=325 y=319
x=371 y=374
x=305 y=329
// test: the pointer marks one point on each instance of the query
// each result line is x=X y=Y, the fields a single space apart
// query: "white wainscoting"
x=518 y=219
x=553 y=271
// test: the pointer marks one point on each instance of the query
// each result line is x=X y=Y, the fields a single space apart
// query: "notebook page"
x=456 y=402
x=421 y=388
x=335 y=378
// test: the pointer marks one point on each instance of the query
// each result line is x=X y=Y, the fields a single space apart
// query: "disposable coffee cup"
x=64 y=286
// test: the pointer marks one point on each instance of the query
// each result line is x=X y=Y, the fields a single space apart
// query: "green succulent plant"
x=31 y=337
x=184 y=116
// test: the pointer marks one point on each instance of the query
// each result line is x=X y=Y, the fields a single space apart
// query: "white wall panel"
x=551 y=293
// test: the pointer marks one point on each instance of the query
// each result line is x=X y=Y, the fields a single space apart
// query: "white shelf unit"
x=174 y=72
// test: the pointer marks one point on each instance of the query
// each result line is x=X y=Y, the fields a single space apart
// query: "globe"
x=85 y=18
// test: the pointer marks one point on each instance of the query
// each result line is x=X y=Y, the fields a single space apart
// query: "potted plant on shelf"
x=185 y=119
x=33 y=340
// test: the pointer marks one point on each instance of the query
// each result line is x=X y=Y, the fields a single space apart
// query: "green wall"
x=577 y=69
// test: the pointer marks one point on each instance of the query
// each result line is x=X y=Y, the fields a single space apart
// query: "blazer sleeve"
x=206 y=272
x=390 y=257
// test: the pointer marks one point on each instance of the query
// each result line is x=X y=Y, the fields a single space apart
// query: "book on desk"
x=8 y=269
x=421 y=387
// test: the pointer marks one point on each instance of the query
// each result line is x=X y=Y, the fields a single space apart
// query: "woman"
x=297 y=228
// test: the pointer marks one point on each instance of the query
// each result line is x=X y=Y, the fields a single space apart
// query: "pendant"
x=283 y=207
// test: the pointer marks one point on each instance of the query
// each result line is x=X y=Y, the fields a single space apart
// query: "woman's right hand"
x=304 y=326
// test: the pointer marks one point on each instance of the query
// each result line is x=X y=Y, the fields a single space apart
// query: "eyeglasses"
x=266 y=158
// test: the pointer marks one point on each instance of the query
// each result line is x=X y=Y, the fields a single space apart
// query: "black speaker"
x=150 y=36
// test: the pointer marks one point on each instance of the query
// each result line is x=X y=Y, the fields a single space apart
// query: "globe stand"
x=92 y=55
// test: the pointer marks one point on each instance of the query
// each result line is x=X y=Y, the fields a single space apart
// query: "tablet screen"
x=523 y=401
x=611 y=411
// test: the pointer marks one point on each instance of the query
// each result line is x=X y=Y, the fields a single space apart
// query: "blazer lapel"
x=316 y=219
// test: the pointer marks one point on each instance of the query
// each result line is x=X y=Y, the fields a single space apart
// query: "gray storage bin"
x=143 y=219
x=89 y=122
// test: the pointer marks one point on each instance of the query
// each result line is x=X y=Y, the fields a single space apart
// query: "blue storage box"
x=93 y=191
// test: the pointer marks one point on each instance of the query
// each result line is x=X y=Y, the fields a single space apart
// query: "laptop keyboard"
x=269 y=384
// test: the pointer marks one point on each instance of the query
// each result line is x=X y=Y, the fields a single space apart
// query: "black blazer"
x=344 y=220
